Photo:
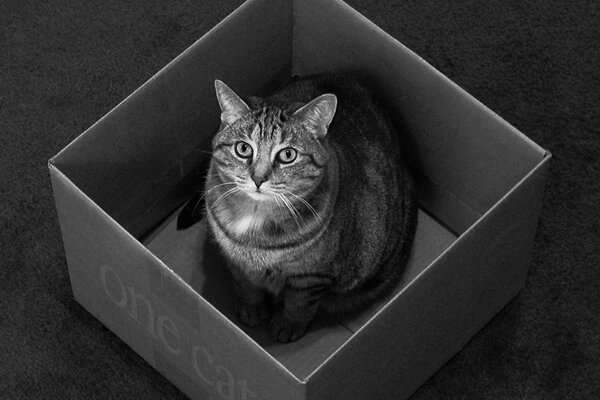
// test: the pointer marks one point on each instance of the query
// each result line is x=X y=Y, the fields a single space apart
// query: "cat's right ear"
x=232 y=106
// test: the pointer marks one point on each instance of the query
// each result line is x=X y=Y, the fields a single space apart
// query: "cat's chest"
x=247 y=224
x=252 y=225
x=239 y=234
x=258 y=240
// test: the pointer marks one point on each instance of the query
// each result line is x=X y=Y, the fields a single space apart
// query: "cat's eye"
x=243 y=150
x=287 y=155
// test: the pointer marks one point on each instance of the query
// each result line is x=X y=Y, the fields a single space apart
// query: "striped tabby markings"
x=303 y=293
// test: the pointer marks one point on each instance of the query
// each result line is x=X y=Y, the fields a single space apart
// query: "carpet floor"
x=535 y=62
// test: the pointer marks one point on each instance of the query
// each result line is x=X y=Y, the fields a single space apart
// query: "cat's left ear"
x=318 y=113
x=232 y=106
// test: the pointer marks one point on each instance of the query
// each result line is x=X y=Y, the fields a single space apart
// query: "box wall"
x=155 y=313
x=438 y=314
x=144 y=147
x=466 y=152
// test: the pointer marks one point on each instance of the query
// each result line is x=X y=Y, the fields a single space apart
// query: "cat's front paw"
x=251 y=314
x=285 y=330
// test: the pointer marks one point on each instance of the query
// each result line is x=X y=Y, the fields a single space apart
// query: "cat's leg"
x=250 y=303
x=302 y=296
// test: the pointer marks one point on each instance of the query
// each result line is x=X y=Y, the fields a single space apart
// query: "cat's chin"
x=259 y=196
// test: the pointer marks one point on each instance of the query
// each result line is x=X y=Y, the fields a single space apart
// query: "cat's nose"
x=258 y=180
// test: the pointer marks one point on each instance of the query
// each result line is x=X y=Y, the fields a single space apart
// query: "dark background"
x=536 y=63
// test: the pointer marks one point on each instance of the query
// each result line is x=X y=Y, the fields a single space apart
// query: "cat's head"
x=268 y=151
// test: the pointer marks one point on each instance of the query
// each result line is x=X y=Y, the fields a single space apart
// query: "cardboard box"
x=117 y=188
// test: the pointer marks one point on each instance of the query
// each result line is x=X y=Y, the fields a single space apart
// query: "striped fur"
x=329 y=231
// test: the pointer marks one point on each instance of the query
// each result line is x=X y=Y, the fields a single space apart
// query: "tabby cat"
x=309 y=199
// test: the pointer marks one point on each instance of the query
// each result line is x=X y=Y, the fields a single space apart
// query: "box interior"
x=140 y=162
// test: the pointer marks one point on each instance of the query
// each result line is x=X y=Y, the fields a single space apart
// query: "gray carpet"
x=536 y=63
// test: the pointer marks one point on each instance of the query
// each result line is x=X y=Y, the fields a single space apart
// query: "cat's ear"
x=232 y=106
x=318 y=113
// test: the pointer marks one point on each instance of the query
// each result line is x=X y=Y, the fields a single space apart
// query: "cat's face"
x=272 y=154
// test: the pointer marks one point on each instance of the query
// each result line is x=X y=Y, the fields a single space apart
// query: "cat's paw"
x=251 y=314
x=285 y=330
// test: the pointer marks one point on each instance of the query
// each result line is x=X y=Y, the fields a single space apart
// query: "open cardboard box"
x=119 y=185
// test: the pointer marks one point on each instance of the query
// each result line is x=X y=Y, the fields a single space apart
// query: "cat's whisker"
x=208 y=191
x=279 y=196
x=290 y=207
x=295 y=211
x=277 y=200
x=204 y=151
x=219 y=185
x=309 y=206
x=227 y=193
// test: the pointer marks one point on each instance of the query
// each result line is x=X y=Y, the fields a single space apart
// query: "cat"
x=310 y=200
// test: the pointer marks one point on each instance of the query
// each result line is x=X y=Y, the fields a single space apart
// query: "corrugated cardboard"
x=118 y=188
